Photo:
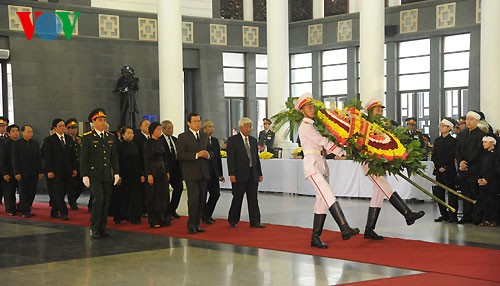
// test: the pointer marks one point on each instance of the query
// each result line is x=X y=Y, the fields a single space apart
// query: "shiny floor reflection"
x=37 y=253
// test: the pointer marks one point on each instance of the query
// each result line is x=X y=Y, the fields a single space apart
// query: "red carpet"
x=460 y=262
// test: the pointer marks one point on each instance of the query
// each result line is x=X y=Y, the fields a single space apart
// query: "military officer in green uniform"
x=99 y=170
x=77 y=185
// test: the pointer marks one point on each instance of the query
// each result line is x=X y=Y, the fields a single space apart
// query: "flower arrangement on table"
x=266 y=155
x=377 y=144
x=223 y=154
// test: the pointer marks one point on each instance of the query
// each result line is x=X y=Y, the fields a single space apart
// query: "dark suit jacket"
x=140 y=139
x=26 y=159
x=58 y=158
x=6 y=159
x=237 y=159
x=443 y=155
x=215 y=160
x=192 y=169
x=172 y=160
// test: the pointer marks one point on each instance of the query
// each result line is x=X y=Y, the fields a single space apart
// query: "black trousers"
x=75 y=190
x=469 y=188
x=213 y=188
x=239 y=189
x=9 y=194
x=101 y=197
x=441 y=194
x=60 y=187
x=27 y=193
x=197 y=195
x=490 y=201
x=177 y=188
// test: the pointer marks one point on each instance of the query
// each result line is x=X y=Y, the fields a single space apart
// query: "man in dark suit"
x=27 y=165
x=60 y=165
x=193 y=154
x=266 y=137
x=216 y=175
x=99 y=168
x=9 y=183
x=140 y=137
x=245 y=173
x=175 y=181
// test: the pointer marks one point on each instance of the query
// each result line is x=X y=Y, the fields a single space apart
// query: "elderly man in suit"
x=60 y=165
x=245 y=173
x=216 y=175
x=170 y=142
x=193 y=154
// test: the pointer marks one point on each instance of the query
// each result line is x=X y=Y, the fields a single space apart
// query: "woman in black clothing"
x=157 y=172
x=131 y=178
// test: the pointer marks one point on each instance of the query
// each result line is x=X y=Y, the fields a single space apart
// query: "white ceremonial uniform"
x=315 y=167
x=380 y=188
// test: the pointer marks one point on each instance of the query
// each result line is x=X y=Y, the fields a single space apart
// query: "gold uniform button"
x=104 y=165
x=104 y=158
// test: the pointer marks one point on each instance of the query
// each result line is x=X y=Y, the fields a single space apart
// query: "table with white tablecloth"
x=346 y=178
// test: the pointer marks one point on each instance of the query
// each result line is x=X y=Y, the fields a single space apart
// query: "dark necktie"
x=172 y=149
x=63 y=142
x=197 y=137
x=249 y=153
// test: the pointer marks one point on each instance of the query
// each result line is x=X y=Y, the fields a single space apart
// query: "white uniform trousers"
x=324 y=193
x=381 y=188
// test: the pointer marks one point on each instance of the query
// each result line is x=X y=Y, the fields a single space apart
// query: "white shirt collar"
x=145 y=135
x=243 y=136
x=194 y=132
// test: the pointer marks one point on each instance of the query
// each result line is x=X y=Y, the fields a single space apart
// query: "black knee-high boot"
x=319 y=222
x=401 y=206
x=339 y=217
x=371 y=221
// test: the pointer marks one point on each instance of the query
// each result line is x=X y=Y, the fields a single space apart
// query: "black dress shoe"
x=192 y=230
x=233 y=225
x=212 y=219
x=166 y=223
x=175 y=215
x=105 y=235
x=441 y=218
x=27 y=215
x=64 y=217
x=207 y=221
x=257 y=225
x=74 y=207
x=200 y=229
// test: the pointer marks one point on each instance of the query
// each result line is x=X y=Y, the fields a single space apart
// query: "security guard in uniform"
x=413 y=132
x=266 y=137
x=77 y=185
x=99 y=170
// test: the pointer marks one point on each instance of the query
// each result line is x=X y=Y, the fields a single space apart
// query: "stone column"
x=318 y=9
x=278 y=62
x=354 y=6
x=170 y=63
x=490 y=61
x=248 y=10
x=371 y=49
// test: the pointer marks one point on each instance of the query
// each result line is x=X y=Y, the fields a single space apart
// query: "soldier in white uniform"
x=381 y=187
x=316 y=170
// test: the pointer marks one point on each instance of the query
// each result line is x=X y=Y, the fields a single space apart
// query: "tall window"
x=456 y=74
x=334 y=78
x=414 y=81
x=261 y=88
x=7 y=95
x=301 y=74
x=234 y=89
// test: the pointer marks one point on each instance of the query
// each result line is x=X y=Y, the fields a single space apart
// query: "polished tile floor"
x=38 y=253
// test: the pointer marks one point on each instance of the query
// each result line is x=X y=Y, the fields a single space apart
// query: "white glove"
x=117 y=178
x=86 y=181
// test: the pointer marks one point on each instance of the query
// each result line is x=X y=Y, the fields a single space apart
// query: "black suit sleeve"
x=231 y=150
x=182 y=152
x=218 y=158
x=47 y=154
x=16 y=158
x=147 y=152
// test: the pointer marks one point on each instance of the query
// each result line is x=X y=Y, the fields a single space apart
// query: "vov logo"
x=48 y=26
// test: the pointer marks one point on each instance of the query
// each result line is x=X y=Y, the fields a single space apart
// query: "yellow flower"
x=297 y=151
x=266 y=155
x=223 y=154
